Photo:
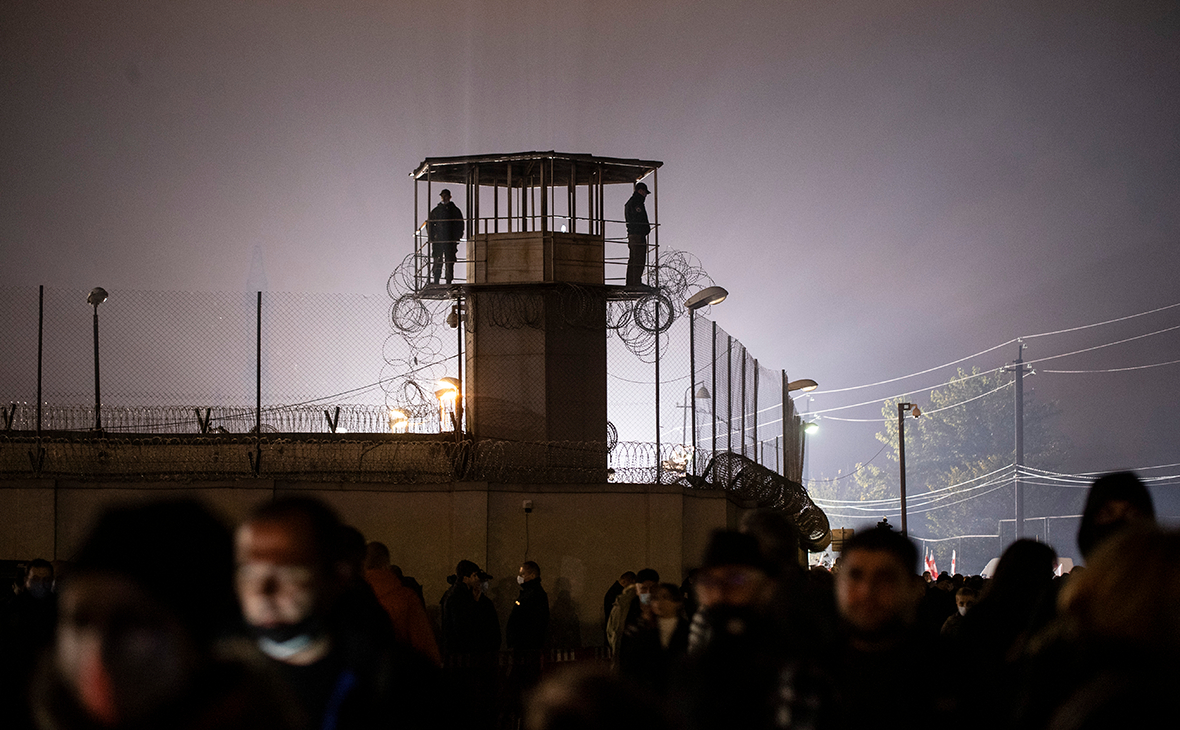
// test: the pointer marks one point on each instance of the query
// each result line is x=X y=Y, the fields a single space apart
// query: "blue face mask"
x=645 y=598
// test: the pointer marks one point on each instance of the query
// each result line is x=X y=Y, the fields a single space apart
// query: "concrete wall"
x=582 y=536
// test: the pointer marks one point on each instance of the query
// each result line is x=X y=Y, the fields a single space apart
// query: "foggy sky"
x=882 y=186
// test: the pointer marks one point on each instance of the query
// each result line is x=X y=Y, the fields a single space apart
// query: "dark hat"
x=466 y=568
x=727 y=547
x=445 y=192
x=641 y=186
x=484 y=575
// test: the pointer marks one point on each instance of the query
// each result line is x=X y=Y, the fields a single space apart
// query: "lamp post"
x=704 y=298
x=901 y=409
x=97 y=296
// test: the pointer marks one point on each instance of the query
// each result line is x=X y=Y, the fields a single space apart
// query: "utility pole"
x=901 y=409
x=1019 y=368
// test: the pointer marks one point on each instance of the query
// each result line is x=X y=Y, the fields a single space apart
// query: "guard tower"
x=538 y=262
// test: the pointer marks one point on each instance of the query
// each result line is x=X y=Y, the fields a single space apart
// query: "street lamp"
x=398 y=418
x=704 y=298
x=97 y=296
x=803 y=385
x=901 y=409
x=448 y=392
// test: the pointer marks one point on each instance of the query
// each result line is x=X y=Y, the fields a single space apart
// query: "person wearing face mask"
x=652 y=648
x=964 y=599
x=528 y=624
x=292 y=583
x=628 y=608
x=527 y=631
x=469 y=621
x=145 y=627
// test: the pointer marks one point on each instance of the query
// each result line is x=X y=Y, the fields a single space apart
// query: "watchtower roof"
x=561 y=168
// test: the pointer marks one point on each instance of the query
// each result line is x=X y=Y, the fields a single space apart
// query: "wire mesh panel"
x=188 y=363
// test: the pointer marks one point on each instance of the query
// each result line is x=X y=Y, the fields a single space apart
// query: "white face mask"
x=520 y=580
x=963 y=610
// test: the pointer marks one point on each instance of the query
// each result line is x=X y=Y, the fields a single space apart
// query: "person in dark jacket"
x=528 y=624
x=325 y=637
x=469 y=620
x=471 y=645
x=635 y=214
x=444 y=229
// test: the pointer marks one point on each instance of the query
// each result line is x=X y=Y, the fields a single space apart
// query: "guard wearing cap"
x=637 y=229
x=445 y=228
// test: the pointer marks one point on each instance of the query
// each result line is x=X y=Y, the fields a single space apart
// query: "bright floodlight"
x=97 y=296
x=804 y=385
x=810 y=427
x=706 y=297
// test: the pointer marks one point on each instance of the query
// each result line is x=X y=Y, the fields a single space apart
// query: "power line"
x=1099 y=324
x=1108 y=344
x=996 y=347
x=1114 y=370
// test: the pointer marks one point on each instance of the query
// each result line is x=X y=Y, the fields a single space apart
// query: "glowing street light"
x=447 y=394
x=398 y=419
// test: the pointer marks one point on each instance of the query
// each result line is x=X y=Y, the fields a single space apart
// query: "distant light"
x=706 y=297
x=97 y=296
x=810 y=427
x=702 y=393
x=397 y=418
x=803 y=385
x=341 y=429
x=563 y=228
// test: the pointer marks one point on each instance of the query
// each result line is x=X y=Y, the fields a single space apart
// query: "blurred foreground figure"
x=592 y=699
x=1115 y=502
x=346 y=670
x=1110 y=658
x=27 y=622
x=877 y=595
x=139 y=622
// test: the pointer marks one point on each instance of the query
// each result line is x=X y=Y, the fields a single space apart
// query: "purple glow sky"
x=882 y=186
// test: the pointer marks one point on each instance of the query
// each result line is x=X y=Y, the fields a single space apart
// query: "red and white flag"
x=930 y=564
x=954 y=570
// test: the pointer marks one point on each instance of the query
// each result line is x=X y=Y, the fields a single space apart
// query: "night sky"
x=883 y=186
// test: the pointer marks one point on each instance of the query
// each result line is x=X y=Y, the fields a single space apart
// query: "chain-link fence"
x=177 y=364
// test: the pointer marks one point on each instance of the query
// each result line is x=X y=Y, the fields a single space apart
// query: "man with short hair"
x=528 y=624
x=410 y=624
x=878 y=591
x=635 y=214
x=444 y=229
x=290 y=578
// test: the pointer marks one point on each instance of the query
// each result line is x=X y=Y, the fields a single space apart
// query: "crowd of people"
x=166 y=619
